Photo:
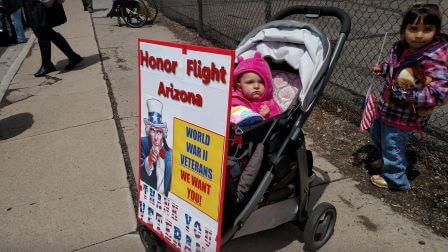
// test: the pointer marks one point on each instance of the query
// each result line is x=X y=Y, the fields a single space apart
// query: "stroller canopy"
x=301 y=45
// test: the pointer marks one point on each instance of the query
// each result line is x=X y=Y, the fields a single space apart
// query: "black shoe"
x=72 y=62
x=44 y=70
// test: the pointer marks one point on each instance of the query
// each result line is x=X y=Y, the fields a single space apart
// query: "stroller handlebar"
x=319 y=11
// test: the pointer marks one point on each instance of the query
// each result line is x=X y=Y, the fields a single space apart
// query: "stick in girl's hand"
x=382 y=47
x=376 y=68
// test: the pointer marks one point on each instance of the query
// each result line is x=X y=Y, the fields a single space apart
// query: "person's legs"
x=112 y=12
x=45 y=53
x=89 y=5
x=73 y=58
x=84 y=3
x=393 y=144
x=375 y=134
x=16 y=18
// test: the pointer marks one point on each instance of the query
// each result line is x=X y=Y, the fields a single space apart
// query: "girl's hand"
x=377 y=70
x=264 y=111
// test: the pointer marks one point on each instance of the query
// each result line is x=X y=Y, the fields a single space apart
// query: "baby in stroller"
x=253 y=102
x=269 y=166
x=252 y=97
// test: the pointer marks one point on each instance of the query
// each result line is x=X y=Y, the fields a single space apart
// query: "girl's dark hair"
x=430 y=13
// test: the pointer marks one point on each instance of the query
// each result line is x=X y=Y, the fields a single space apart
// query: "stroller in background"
x=134 y=13
x=273 y=188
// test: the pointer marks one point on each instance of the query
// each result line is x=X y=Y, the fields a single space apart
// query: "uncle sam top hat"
x=154 y=119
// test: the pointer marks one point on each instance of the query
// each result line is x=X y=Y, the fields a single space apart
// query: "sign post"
x=184 y=103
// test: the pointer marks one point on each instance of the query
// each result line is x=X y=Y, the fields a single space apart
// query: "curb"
x=14 y=68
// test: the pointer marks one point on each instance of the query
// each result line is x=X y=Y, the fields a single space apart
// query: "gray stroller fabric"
x=301 y=45
x=250 y=172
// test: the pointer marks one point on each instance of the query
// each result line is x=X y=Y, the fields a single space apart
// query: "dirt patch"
x=336 y=137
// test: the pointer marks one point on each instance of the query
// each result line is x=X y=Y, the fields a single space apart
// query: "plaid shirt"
x=434 y=60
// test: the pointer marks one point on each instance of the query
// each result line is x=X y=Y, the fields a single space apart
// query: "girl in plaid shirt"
x=423 y=46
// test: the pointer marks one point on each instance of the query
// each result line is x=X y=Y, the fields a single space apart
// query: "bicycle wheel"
x=134 y=13
x=153 y=10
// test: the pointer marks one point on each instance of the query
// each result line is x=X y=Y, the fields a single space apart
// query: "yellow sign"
x=197 y=164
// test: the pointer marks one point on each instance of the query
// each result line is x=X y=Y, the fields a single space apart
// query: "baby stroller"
x=135 y=13
x=273 y=188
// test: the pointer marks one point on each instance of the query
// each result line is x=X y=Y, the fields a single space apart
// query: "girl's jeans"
x=391 y=143
x=16 y=18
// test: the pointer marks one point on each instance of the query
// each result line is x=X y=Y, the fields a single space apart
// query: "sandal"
x=377 y=164
x=378 y=181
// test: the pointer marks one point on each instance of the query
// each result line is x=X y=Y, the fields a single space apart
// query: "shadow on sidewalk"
x=14 y=125
x=86 y=62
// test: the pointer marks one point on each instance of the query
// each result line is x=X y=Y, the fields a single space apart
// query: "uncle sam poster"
x=184 y=103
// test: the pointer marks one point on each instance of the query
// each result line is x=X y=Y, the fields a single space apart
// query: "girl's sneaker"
x=378 y=181
x=377 y=164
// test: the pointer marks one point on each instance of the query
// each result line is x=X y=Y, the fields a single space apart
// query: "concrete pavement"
x=63 y=183
x=11 y=58
x=363 y=220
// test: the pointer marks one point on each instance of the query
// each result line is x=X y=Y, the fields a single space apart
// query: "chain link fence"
x=226 y=22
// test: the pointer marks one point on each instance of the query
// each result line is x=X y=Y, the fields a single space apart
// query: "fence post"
x=200 y=22
x=267 y=10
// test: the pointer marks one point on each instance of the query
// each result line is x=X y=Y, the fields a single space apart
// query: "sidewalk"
x=63 y=183
x=365 y=223
x=11 y=59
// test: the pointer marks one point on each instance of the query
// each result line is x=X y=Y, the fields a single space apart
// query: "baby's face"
x=251 y=85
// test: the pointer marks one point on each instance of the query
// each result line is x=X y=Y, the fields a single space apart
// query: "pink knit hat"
x=259 y=66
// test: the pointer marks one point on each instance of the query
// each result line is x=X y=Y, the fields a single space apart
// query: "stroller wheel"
x=134 y=13
x=151 y=242
x=320 y=226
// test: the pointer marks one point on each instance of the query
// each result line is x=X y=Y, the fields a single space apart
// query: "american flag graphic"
x=370 y=110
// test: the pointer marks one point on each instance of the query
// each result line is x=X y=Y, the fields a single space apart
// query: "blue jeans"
x=16 y=18
x=391 y=143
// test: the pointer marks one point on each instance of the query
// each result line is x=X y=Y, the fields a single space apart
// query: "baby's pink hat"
x=259 y=66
